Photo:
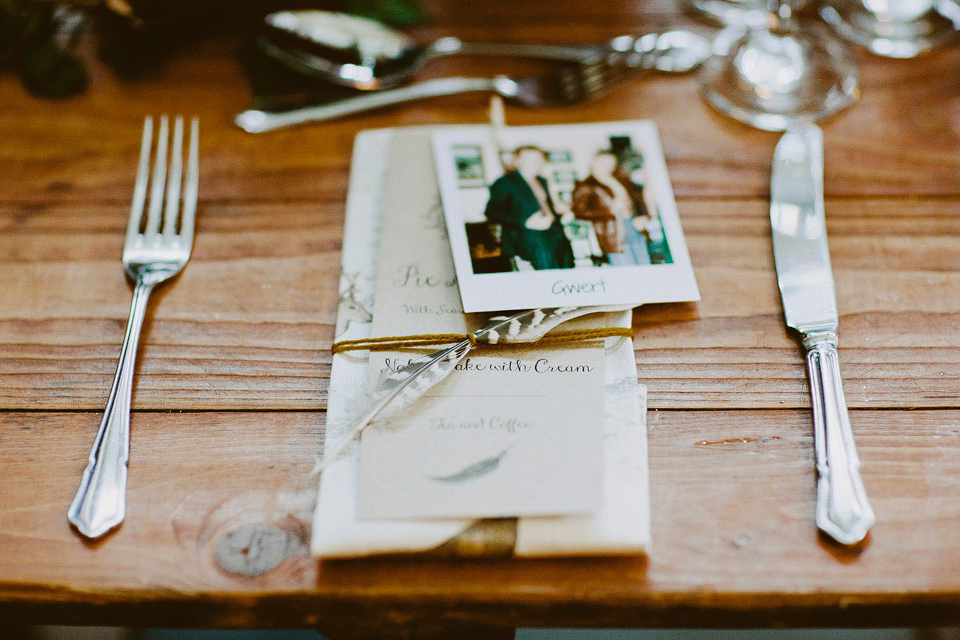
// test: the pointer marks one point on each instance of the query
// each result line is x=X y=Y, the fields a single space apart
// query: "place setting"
x=484 y=397
x=766 y=68
x=540 y=317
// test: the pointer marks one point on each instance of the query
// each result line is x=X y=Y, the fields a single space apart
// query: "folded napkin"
x=621 y=523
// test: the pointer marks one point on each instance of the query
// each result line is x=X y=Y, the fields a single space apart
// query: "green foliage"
x=398 y=12
x=51 y=71
x=37 y=44
x=34 y=45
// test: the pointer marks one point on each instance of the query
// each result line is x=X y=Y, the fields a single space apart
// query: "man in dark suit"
x=521 y=203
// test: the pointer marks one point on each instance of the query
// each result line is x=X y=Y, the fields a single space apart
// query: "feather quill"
x=411 y=382
x=475 y=470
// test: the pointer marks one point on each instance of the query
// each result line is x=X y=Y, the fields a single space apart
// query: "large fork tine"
x=158 y=180
x=174 y=177
x=140 y=187
x=191 y=186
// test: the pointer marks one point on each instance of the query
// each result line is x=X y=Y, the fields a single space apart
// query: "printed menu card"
x=499 y=437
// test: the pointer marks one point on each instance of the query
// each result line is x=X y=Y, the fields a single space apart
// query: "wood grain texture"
x=234 y=364
x=250 y=322
x=733 y=496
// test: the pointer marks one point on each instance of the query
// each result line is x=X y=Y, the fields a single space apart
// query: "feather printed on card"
x=475 y=470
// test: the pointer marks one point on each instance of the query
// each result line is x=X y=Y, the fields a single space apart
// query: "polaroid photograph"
x=563 y=215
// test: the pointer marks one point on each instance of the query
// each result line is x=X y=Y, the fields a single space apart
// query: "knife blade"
x=805 y=278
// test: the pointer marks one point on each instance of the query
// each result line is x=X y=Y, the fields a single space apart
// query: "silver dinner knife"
x=810 y=307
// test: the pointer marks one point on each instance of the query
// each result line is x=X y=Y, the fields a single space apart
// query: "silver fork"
x=151 y=255
x=675 y=51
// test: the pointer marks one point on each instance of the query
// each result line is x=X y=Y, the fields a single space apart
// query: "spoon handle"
x=567 y=53
x=256 y=121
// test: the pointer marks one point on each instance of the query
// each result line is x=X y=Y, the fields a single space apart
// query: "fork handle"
x=256 y=121
x=100 y=503
x=843 y=511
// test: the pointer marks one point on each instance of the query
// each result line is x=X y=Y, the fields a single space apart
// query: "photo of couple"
x=538 y=220
x=561 y=215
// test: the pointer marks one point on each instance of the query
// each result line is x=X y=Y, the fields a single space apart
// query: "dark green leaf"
x=17 y=26
x=397 y=12
x=48 y=70
x=276 y=87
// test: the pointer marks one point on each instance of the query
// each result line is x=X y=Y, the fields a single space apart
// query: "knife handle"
x=843 y=511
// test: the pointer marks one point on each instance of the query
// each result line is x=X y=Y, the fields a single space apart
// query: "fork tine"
x=174 y=177
x=140 y=188
x=190 y=185
x=600 y=76
x=157 y=179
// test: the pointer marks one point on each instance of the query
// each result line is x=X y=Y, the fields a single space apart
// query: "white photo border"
x=580 y=286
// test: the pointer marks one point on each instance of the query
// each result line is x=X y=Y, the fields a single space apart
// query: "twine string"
x=397 y=343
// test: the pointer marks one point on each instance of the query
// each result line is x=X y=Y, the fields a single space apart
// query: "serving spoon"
x=361 y=53
x=675 y=51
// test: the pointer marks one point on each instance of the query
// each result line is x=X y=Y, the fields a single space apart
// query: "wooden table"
x=232 y=378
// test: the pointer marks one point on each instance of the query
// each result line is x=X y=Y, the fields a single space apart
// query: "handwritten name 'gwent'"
x=562 y=288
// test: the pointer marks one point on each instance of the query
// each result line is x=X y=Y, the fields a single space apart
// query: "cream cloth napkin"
x=621 y=524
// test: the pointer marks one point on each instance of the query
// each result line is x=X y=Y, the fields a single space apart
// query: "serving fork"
x=158 y=242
